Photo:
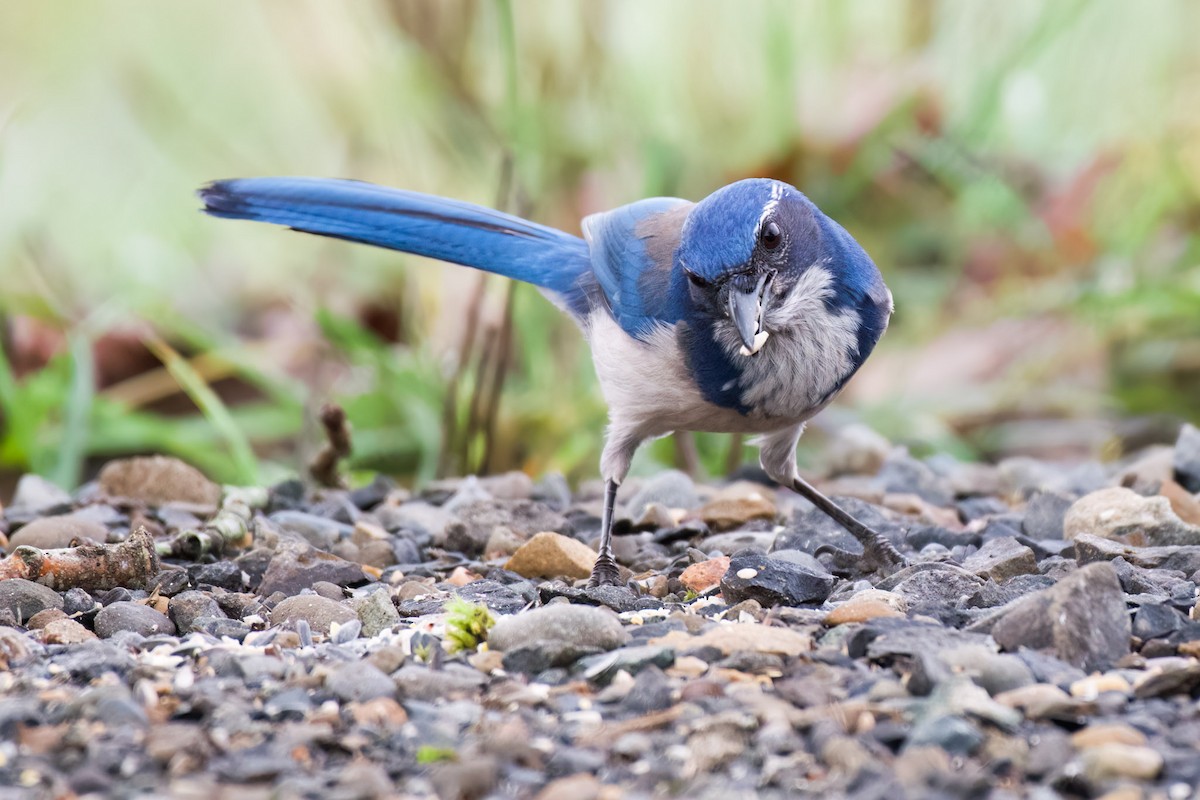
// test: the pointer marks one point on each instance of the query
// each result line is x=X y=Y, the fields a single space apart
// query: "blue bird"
x=746 y=312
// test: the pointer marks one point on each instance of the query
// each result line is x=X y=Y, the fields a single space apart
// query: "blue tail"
x=436 y=227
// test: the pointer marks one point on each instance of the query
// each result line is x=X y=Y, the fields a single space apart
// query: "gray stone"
x=774 y=582
x=1044 y=514
x=377 y=612
x=359 y=680
x=126 y=615
x=1081 y=619
x=187 y=607
x=478 y=520
x=1089 y=549
x=934 y=589
x=733 y=541
x=320 y=532
x=319 y=612
x=856 y=450
x=670 y=489
x=904 y=474
x=603 y=668
x=952 y=733
x=23 y=598
x=582 y=626
x=1187 y=458
x=35 y=493
x=297 y=565
x=424 y=519
x=1001 y=559
x=50 y=533
x=995 y=672
x=422 y=683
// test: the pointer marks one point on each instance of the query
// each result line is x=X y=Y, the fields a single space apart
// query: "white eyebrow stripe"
x=771 y=205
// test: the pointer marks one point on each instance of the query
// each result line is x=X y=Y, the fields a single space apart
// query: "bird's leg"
x=878 y=552
x=606 y=570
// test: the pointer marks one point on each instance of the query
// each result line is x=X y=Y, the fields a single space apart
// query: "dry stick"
x=93 y=567
x=687 y=458
x=475 y=414
x=450 y=431
x=499 y=373
x=324 y=466
x=734 y=459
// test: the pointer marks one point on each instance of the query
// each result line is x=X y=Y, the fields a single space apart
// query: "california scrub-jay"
x=744 y=313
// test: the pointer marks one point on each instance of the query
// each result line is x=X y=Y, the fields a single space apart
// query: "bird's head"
x=746 y=248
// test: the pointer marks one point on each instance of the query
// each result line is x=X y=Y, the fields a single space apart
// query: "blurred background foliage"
x=1026 y=174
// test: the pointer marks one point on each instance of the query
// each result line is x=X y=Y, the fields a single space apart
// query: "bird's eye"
x=696 y=280
x=770 y=235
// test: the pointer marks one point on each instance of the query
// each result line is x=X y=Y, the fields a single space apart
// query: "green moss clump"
x=467 y=624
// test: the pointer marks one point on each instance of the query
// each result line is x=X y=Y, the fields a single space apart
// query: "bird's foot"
x=878 y=555
x=605 y=572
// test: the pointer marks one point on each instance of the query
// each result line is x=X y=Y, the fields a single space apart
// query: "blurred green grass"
x=1016 y=161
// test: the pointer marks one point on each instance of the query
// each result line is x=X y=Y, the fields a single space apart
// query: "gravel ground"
x=296 y=643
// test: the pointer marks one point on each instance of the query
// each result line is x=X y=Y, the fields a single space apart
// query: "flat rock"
x=579 y=626
x=732 y=637
x=1111 y=761
x=126 y=615
x=552 y=555
x=1125 y=516
x=157 y=480
x=1185 y=559
x=319 y=612
x=23 y=598
x=1001 y=559
x=51 y=533
x=773 y=581
x=1082 y=619
x=476 y=521
x=297 y=565
x=423 y=683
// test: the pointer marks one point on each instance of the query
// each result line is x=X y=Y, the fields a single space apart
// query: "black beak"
x=746 y=309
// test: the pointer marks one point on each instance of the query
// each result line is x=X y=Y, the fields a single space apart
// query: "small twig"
x=324 y=466
x=93 y=567
x=687 y=458
x=737 y=444
x=499 y=373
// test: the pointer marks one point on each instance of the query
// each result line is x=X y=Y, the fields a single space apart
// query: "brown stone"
x=552 y=555
x=705 y=575
x=156 y=480
x=853 y=611
x=1101 y=733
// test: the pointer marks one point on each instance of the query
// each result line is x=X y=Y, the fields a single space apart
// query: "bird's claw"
x=877 y=556
x=605 y=572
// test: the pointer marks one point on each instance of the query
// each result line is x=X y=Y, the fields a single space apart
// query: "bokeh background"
x=1026 y=174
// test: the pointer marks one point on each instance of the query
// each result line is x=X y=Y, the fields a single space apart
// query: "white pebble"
x=746 y=573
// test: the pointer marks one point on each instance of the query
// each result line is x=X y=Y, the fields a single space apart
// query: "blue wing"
x=436 y=227
x=633 y=258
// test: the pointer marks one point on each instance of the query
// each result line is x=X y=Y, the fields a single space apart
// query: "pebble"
x=772 y=581
x=297 y=565
x=376 y=612
x=705 y=575
x=1186 y=462
x=22 y=599
x=1000 y=559
x=51 y=533
x=552 y=555
x=1124 y=516
x=579 y=626
x=359 y=681
x=158 y=480
x=320 y=613
x=133 y=617
x=1081 y=619
x=187 y=607
x=735 y=636
x=668 y=489
x=1115 y=760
